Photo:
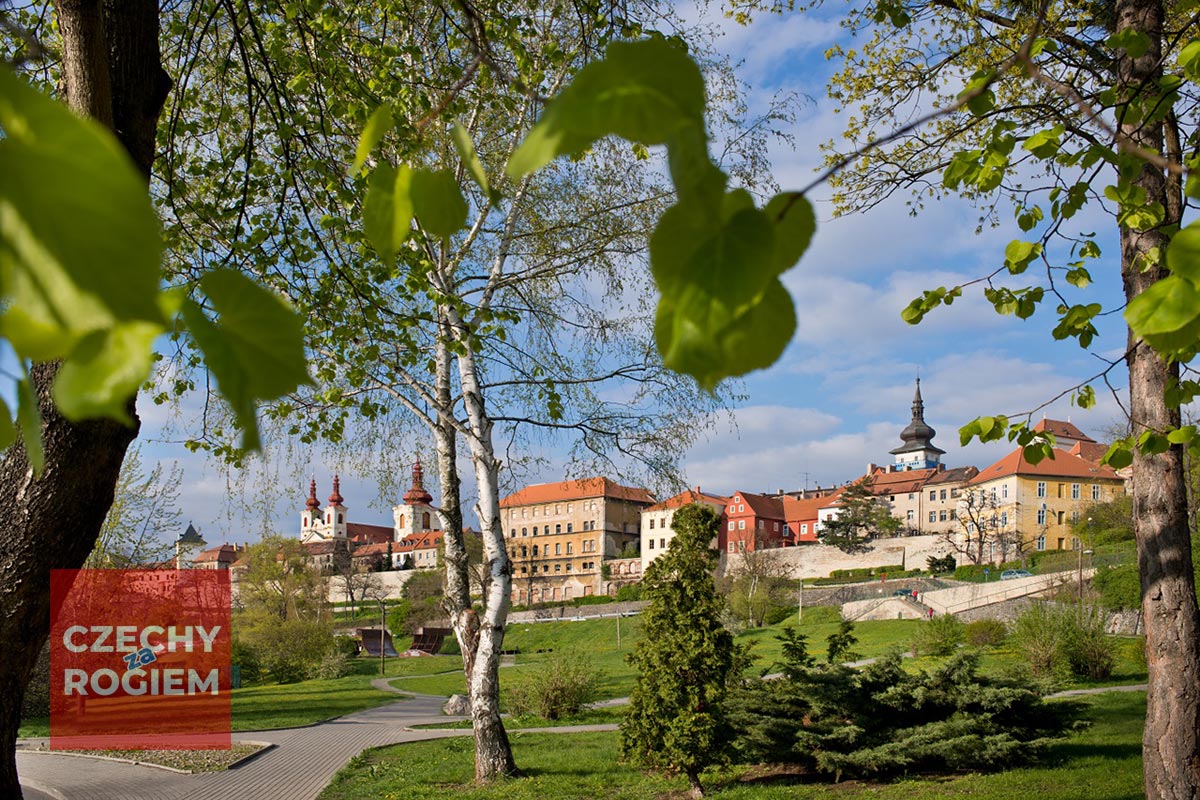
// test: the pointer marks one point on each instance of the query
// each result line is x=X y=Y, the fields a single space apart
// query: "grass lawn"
x=34 y=728
x=1102 y=762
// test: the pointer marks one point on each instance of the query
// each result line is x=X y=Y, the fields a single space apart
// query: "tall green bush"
x=1065 y=639
x=939 y=636
x=685 y=659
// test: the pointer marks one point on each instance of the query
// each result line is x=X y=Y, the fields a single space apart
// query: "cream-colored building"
x=656 y=529
x=559 y=534
x=1036 y=505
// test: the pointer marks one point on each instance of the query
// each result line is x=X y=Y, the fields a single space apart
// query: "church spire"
x=336 y=499
x=417 y=494
x=918 y=450
x=312 y=504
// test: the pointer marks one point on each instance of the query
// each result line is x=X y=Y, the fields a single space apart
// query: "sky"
x=840 y=394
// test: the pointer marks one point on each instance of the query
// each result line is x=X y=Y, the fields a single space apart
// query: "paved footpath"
x=301 y=764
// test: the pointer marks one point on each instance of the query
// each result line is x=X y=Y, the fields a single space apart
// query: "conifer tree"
x=676 y=719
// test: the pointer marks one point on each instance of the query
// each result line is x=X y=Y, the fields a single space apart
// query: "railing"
x=1006 y=590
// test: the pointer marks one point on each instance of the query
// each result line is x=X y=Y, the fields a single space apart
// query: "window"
x=953 y=514
x=992 y=494
x=1062 y=493
x=512 y=534
x=762 y=525
x=524 y=553
x=933 y=516
x=570 y=527
x=568 y=567
x=524 y=532
x=546 y=511
x=776 y=526
x=570 y=548
x=1004 y=519
x=1004 y=491
x=545 y=568
x=1061 y=515
x=1074 y=491
x=741 y=545
x=1041 y=490
x=804 y=527
x=941 y=516
x=932 y=495
x=1041 y=543
x=522 y=513
x=942 y=494
x=730 y=524
x=1075 y=517
x=1041 y=520
x=910 y=515
x=558 y=567
x=570 y=508
x=558 y=528
x=558 y=549
x=1095 y=491
x=892 y=498
x=535 y=549
x=731 y=547
x=652 y=523
x=340 y=519
x=954 y=493
x=662 y=544
x=741 y=508
x=557 y=509
x=741 y=524
x=911 y=496
x=732 y=508
x=650 y=546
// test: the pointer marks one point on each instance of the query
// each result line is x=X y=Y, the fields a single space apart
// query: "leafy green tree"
x=861 y=517
x=1071 y=109
x=685 y=659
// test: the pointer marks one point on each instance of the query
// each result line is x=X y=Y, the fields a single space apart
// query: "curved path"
x=298 y=768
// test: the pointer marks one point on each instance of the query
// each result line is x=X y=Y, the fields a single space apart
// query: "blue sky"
x=840 y=394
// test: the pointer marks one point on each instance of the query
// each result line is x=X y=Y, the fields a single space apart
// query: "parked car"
x=1010 y=574
x=904 y=593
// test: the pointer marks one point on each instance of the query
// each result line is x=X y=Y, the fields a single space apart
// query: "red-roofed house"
x=417 y=550
x=1041 y=501
x=221 y=557
x=1065 y=434
x=656 y=521
x=754 y=522
x=558 y=535
x=803 y=515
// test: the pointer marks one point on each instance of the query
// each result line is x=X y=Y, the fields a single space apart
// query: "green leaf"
x=795 y=223
x=1183 y=253
x=29 y=420
x=1119 y=455
x=1045 y=144
x=75 y=216
x=105 y=370
x=388 y=209
x=1085 y=397
x=1189 y=60
x=438 y=202
x=1167 y=315
x=377 y=126
x=1132 y=41
x=470 y=160
x=254 y=349
x=1079 y=277
x=702 y=335
x=1182 y=435
x=1018 y=254
x=643 y=91
x=982 y=100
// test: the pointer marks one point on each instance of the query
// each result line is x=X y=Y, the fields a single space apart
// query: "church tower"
x=918 y=450
x=335 y=512
x=415 y=515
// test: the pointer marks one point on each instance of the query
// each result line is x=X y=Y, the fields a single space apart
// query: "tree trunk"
x=111 y=71
x=1171 y=741
x=457 y=604
x=493 y=754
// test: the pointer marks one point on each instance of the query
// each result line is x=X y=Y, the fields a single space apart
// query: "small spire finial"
x=312 y=503
x=336 y=497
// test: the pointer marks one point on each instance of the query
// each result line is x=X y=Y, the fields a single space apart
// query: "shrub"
x=450 y=646
x=629 y=593
x=840 y=642
x=940 y=636
x=881 y=722
x=986 y=633
x=975 y=572
x=1119 y=587
x=941 y=566
x=1090 y=652
x=1071 y=639
x=245 y=656
x=334 y=664
x=562 y=685
x=346 y=645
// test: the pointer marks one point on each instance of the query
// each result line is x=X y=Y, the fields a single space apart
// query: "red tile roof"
x=223 y=554
x=799 y=510
x=762 y=505
x=418 y=541
x=575 y=490
x=899 y=482
x=956 y=475
x=367 y=550
x=373 y=534
x=1089 y=451
x=1062 y=430
x=687 y=498
x=1063 y=465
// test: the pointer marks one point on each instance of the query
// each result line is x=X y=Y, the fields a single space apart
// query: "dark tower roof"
x=336 y=498
x=190 y=536
x=917 y=436
x=417 y=496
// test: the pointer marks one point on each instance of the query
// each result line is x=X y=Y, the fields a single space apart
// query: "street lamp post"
x=1082 y=553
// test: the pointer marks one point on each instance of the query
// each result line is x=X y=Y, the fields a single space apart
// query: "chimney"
x=870 y=467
